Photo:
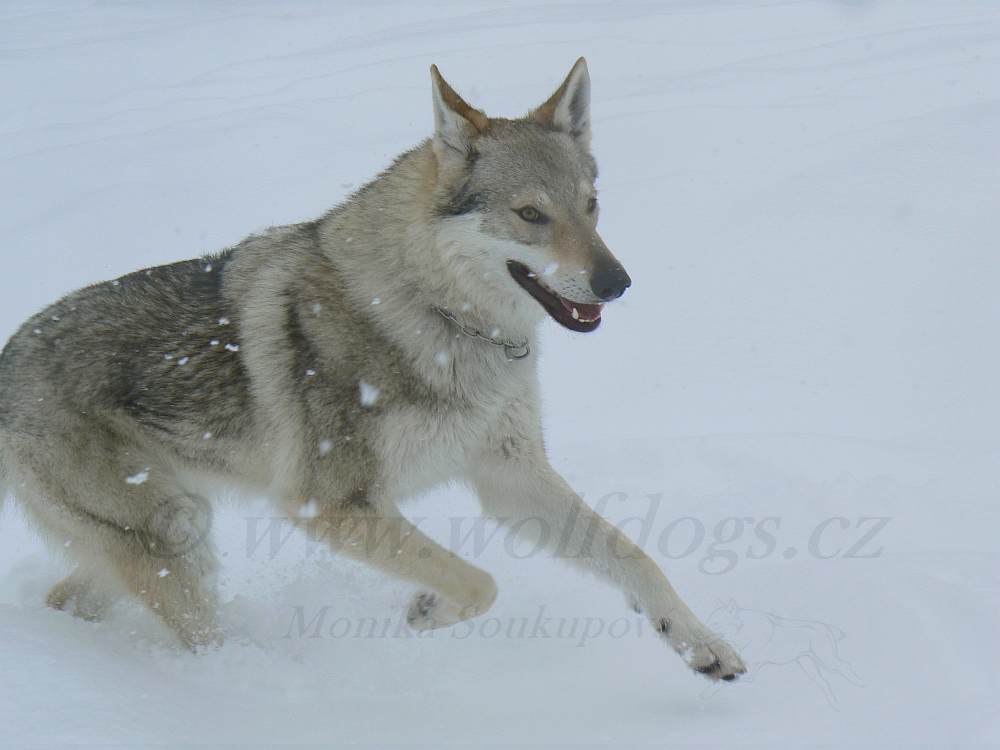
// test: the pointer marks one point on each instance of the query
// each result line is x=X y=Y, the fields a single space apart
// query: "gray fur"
x=312 y=363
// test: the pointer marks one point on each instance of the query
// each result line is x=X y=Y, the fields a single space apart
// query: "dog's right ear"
x=456 y=124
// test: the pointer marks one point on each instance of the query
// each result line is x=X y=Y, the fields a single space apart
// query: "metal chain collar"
x=513 y=351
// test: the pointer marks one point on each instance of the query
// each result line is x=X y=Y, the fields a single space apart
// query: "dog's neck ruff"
x=512 y=350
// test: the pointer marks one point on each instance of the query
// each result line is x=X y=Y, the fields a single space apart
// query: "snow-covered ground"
x=806 y=197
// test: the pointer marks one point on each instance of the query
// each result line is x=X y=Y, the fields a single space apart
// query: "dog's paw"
x=717 y=660
x=703 y=649
x=423 y=610
x=204 y=641
x=89 y=602
x=429 y=610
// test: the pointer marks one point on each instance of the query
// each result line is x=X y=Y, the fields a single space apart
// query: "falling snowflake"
x=139 y=478
x=369 y=393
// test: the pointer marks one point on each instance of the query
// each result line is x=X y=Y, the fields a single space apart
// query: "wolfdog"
x=336 y=366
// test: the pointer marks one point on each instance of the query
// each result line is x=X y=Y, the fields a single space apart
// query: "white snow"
x=369 y=393
x=805 y=197
x=138 y=478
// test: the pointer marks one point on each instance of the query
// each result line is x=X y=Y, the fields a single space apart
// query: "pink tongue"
x=587 y=313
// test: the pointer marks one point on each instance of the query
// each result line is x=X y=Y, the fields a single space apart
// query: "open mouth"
x=575 y=316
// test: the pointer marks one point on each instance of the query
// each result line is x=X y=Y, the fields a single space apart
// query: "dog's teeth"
x=576 y=315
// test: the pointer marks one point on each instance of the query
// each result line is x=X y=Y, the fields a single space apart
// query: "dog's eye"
x=591 y=205
x=530 y=213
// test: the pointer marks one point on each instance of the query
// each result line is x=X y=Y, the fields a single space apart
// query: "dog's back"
x=157 y=346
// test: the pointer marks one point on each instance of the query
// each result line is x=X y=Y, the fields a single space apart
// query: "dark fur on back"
x=140 y=346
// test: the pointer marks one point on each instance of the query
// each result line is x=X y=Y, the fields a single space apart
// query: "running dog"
x=337 y=366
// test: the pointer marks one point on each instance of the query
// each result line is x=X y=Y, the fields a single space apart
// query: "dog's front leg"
x=453 y=591
x=528 y=487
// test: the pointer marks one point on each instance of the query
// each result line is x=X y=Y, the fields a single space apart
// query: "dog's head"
x=519 y=202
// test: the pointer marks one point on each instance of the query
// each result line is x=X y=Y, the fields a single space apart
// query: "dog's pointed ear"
x=568 y=109
x=456 y=124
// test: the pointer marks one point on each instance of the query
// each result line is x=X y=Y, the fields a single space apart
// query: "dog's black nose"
x=610 y=283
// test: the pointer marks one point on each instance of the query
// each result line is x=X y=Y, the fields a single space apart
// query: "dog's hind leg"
x=168 y=561
x=143 y=560
x=146 y=559
x=128 y=527
x=454 y=589
x=174 y=588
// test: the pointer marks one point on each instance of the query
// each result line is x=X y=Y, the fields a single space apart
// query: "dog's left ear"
x=456 y=124
x=568 y=109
